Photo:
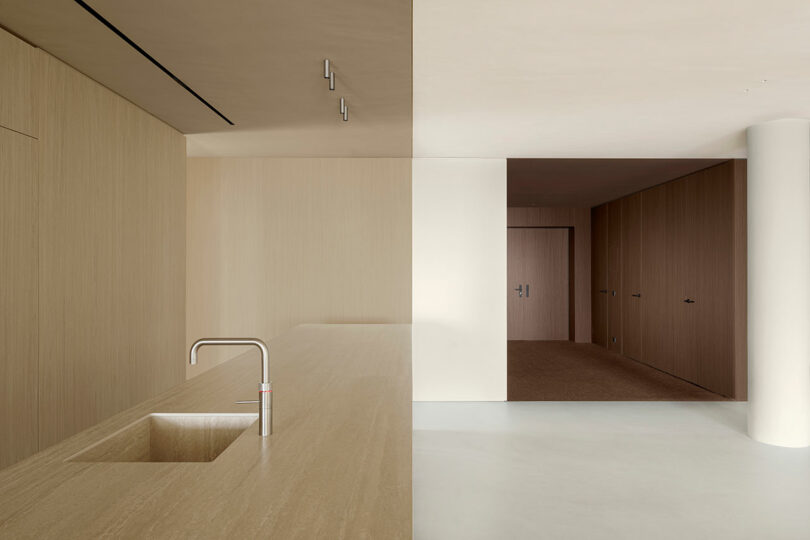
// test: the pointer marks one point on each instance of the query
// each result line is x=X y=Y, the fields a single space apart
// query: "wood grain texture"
x=18 y=297
x=338 y=464
x=740 y=280
x=631 y=277
x=579 y=220
x=713 y=256
x=18 y=88
x=273 y=243
x=656 y=328
x=599 y=281
x=538 y=258
x=112 y=253
x=614 y=264
x=682 y=274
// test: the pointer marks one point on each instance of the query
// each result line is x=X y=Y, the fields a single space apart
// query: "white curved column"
x=779 y=282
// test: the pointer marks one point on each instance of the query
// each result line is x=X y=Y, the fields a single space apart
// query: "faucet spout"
x=265 y=389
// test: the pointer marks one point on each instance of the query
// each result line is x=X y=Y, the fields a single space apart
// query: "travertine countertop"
x=338 y=464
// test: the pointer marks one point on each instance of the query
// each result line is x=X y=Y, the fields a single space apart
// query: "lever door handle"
x=637 y=295
x=689 y=301
x=519 y=290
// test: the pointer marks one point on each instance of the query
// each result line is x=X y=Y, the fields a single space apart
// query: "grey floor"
x=647 y=470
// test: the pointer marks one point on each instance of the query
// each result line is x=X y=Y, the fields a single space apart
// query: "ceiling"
x=627 y=78
x=258 y=62
x=580 y=183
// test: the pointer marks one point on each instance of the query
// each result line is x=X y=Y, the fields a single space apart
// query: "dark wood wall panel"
x=681 y=245
x=615 y=276
x=631 y=284
x=656 y=327
x=599 y=275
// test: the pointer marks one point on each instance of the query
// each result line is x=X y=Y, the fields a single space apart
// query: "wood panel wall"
x=687 y=238
x=92 y=233
x=274 y=242
x=599 y=278
x=579 y=220
x=18 y=296
x=17 y=85
x=112 y=253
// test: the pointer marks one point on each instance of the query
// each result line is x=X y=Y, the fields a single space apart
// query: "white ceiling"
x=625 y=78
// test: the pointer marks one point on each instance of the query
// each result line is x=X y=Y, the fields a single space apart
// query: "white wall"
x=459 y=279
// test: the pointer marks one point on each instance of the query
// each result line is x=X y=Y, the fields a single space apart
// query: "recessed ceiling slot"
x=149 y=57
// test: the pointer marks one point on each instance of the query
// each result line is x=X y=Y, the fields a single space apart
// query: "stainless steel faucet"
x=265 y=389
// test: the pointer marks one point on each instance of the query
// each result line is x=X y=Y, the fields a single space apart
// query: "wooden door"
x=615 y=276
x=599 y=275
x=538 y=265
x=631 y=285
x=656 y=325
x=682 y=274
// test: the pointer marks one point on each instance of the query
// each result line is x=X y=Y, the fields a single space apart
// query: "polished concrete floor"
x=567 y=371
x=548 y=470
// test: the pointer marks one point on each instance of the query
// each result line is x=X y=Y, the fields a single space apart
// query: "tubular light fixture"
x=342 y=105
x=326 y=69
x=331 y=80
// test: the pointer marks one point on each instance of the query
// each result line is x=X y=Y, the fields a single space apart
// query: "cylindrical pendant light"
x=326 y=69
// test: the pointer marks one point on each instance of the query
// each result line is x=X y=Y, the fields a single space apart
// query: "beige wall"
x=92 y=237
x=276 y=242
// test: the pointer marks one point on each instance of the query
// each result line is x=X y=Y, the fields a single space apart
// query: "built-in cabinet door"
x=713 y=309
x=682 y=274
x=656 y=325
x=599 y=275
x=631 y=284
x=615 y=276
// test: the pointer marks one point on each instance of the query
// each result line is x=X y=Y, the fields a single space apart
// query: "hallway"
x=567 y=371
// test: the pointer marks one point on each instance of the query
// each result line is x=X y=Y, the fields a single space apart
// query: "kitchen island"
x=338 y=464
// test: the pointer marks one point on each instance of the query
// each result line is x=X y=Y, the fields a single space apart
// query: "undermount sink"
x=164 y=437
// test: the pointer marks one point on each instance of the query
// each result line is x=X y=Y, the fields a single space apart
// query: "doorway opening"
x=606 y=259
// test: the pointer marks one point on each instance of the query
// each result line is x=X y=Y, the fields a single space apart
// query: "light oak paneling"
x=18 y=297
x=274 y=242
x=112 y=253
x=337 y=466
x=17 y=85
x=599 y=282
x=631 y=277
x=538 y=258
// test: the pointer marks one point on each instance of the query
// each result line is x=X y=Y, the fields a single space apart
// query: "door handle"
x=527 y=290
x=603 y=291
x=689 y=301
x=637 y=295
x=519 y=290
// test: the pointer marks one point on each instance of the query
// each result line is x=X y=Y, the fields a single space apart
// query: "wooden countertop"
x=338 y=464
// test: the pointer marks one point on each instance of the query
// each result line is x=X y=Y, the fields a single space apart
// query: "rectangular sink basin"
x=163 y=437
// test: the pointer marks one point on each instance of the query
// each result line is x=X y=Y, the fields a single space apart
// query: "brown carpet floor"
x=566 y=371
